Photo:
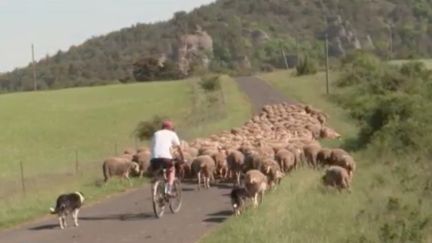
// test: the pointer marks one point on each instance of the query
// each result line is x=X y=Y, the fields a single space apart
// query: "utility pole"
x=34 y=69
x=327 y=62
x=391 y=40
x=285 y=59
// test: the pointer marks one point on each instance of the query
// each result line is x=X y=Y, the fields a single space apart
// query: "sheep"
x=192 y=151
x=311 y=152
x=329 y=133
x=142 y=149
x=235 y=161
x=204 y=166
x=273 y=172
x=143 y=160
x=338 y=177
x=252 y=161
x=130 y=151
x=184 y=168
x=256 y=184
x=220 y=159
x=126 y=156
x=118 y=167
x=343 y=159
x=324 y=156
x=206 y=151
x=286 y=160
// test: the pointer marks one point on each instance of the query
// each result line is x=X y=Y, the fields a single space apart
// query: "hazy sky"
x=57 y=24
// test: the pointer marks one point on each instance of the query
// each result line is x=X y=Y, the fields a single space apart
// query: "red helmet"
x=168 y=124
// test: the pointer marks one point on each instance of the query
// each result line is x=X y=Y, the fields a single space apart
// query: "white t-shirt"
x=162 y=142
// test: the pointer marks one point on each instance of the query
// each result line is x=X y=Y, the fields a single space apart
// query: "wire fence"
x=27 y=177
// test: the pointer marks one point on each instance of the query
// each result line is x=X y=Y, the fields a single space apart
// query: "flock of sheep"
x=256 y=156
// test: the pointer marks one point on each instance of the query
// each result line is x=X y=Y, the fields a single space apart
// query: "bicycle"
x=160 y=198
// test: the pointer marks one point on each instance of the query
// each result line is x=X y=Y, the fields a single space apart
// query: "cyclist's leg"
x=169 y=165
x=156 y=166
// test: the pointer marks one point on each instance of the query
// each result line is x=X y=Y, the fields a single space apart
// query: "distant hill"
x=246 y=34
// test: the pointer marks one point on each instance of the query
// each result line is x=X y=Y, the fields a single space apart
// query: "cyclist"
x=163 y=141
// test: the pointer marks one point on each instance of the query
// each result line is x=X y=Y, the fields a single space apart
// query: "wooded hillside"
x=246 y=34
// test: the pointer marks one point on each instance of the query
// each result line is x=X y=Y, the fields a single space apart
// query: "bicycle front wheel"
x=158 y=195
x=175 y=202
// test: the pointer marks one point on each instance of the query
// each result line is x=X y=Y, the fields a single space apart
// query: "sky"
x=53 y=25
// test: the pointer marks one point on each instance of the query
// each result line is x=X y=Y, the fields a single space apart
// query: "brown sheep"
x=206 y=151
x=311 y=152
x=253 y=161
x=329 y=133
x=256 y=184
x=184 y=168
x=130 y=151
x=286 y=160
x=192 y=151
x=220 y=159
x=273 y=172
x=127 y=157
x=235 y=161
x=338 y=177
x=143 y=160
x=298 y=152
x=324 y=156
x=341 y=158
x=118 y=167
x=204 y=167
x=143 y=149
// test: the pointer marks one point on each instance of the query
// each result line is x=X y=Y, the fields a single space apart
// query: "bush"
x=210 y=83
x=306 y=66
x=390 y=103
x=145 y=129
x=149 y=69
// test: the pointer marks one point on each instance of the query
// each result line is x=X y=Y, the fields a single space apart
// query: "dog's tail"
x=53 y=211
x=58 y=208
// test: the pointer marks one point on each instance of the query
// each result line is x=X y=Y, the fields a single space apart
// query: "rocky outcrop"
x=342 y=37
x=194 y=49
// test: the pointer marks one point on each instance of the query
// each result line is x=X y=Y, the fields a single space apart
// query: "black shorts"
x=159 y=163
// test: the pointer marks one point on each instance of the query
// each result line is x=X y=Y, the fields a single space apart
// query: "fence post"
x=22 y=178
x=76 y=163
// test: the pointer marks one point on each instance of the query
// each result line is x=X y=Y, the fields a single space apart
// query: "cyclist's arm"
x=176 y=143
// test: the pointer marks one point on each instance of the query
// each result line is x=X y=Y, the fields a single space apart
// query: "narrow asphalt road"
x=260 y=93
x=128 y=217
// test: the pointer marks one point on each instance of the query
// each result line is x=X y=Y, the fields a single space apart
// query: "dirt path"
x=129 y=217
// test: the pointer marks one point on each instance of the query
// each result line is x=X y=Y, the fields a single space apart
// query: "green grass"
x=379 y=209
x=44 y=129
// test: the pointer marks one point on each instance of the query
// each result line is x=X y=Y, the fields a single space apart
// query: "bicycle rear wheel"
x=175 y=202
x=158 y=197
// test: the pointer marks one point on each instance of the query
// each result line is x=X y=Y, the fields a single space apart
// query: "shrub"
x=149 y=69
x=210 y=83
x=390 y=103
x=306 y=66
x=145 y=129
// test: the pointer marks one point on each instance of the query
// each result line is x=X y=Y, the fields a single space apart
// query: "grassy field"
x=45 y=130
x=379 y=209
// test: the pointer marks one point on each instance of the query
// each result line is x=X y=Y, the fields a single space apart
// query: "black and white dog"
x=238 y=199
x=68 y=204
